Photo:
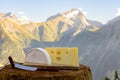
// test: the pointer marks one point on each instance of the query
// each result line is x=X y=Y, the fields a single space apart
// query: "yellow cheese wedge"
x=63 y=55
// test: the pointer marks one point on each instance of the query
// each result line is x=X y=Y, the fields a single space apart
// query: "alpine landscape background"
x=99 y=44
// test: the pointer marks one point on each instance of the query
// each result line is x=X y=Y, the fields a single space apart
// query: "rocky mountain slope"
x=100 y=49
x=70 y=21
x=13 y=38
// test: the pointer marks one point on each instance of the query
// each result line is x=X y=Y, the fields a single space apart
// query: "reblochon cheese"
x=63 y=55
x=38 y=55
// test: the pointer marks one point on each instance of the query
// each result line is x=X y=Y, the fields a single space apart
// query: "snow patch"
x=71 y=14
x=118 y=12
x=23 y=20
x=84 y=12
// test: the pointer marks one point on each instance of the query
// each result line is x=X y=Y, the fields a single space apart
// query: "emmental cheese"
x=63 y=55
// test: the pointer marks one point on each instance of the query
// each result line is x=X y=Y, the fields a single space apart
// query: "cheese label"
x=63 y=55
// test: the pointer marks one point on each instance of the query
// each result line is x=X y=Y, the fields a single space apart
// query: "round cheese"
x=38 y=55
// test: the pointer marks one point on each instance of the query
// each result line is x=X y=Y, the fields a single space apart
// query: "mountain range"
x=98 y=43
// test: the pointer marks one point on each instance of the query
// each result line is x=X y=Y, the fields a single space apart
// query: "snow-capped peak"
x=76 y=15
x=9 y=14
x=72 y=13
x=23 y=20
x=20 y=19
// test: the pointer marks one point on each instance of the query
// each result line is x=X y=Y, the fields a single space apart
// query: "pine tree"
x=116 y=76
x=106 y=78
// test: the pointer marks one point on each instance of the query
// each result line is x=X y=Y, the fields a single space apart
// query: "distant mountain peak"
x=72 y=13
x=114 y=20
x=9 y=14
x=4 y=15
x=12 y=16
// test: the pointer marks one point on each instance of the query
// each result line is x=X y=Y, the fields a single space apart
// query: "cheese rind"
x=63 y=55
x=38 y=55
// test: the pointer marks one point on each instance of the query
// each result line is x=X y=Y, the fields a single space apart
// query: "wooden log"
x=83 y=73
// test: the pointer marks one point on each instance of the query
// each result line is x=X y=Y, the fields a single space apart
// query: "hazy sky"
x=40 y=10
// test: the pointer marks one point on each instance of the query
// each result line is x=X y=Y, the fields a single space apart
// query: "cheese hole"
x=58 y=58
x=67 y=52
x=58 y=53
x=52 y=52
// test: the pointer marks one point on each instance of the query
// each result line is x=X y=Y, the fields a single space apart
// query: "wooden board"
x=55 y=66
x=8 y=73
